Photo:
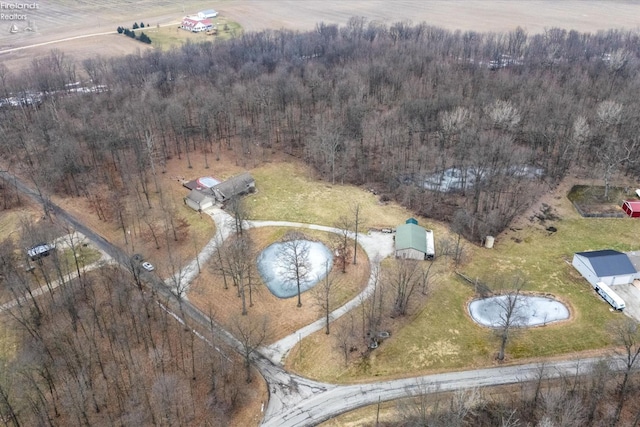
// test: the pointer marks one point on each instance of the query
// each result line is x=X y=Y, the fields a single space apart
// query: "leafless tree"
x=240 y=212
x=294 y=261
x=373 y=308
x=341 y=241
x=510 y=316
x=626 y=334
x=251 y=332
x=613 y=148
x=344 y=336
x=236 y=261
x=405 y=278
x=356 y=210
x=323 y=295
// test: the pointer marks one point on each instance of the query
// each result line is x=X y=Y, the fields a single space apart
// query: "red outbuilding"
x=632 y=208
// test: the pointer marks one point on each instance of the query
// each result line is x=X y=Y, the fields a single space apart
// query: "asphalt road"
x=298 y=401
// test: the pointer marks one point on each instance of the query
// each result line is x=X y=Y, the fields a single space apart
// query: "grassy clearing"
x=85 y=256
x=289 y=192
x=168 y=37
x=442 y=336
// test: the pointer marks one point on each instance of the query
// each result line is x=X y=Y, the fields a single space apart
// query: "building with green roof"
x=414 y=242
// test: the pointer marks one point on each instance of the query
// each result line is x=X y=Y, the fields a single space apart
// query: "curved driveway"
x=298 y=401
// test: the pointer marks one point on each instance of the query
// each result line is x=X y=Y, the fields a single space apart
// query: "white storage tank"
x=488 y=242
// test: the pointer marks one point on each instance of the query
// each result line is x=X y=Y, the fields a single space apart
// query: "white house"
x=607 y=266
x=195 y=24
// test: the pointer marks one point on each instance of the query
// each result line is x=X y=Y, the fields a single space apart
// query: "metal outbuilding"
x=414 y=242
x=607 y=266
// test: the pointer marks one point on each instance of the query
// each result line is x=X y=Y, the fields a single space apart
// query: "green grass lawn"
x=288 y=192
x=165 y=38
x=442 y=336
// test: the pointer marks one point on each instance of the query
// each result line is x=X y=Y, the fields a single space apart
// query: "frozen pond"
x=274 y=274
x=529 y=311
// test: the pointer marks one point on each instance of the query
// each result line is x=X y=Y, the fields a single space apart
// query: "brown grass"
x=208 y=293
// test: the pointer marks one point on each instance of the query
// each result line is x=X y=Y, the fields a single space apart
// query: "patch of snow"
x=529 y=311
x=274 y=276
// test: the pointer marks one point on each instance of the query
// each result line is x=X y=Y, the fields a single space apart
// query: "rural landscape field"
x=131 y=288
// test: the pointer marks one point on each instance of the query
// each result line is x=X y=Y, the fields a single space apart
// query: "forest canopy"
x=465 y=124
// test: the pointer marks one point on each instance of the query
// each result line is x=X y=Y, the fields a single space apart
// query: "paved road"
x=298 y=401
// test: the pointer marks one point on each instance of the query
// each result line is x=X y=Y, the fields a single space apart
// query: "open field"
x=442 y=336
x=69 y=19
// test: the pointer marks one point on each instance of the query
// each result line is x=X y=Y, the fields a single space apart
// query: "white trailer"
x=431 y=246
x=609 y=296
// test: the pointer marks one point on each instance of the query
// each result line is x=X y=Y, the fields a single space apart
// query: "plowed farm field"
x=86 y=28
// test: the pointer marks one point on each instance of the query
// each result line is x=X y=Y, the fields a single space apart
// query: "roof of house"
x=411 y=236
x=192 y=21
x=197 y=196
x=235 y=184
x=609 y=262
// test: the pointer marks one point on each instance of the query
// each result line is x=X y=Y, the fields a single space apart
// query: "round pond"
x=528 y=311
x=274 y=273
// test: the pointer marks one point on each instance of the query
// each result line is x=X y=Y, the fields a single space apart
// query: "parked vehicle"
x=148 y=266
x=610 y=296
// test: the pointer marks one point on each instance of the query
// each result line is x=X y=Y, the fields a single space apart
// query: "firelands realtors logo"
x=16 y=11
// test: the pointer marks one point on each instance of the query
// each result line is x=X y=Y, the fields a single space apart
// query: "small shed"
x=198 y=200
x=607 y=266
x=414 y=242
x=632 y=208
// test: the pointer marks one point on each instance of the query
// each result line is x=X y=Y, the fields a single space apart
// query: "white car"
x=148 y=266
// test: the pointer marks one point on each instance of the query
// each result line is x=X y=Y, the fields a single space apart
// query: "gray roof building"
x=608 y=266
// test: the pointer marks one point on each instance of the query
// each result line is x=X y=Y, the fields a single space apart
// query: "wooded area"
x=399 y=108
x=462 y=127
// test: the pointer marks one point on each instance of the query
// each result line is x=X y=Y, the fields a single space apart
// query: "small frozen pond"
x=529 y=311
x=274 y=275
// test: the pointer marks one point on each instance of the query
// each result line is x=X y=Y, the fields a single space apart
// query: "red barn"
x=632 y=208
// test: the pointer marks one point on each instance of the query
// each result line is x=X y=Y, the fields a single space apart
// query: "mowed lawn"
x=172 y=36
x=289 y=192
x=441 y=335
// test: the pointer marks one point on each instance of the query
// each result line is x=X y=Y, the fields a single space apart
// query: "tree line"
x=391 y=107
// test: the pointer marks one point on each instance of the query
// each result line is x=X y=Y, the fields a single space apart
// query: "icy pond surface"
x=529 y=311
x=274 y=275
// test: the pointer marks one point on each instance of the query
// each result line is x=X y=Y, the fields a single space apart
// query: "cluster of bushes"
x=131 y=33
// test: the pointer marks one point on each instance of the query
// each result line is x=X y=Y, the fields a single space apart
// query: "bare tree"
x=373 y=307
x=240 y=213
x=323 y=295
x=357 y=221
x=343 y=336
x=612 y=148
x=510 y=314
x=405 y=278
x=626 y=334
x=294 y=260
x=251 y=332
x=341 y=245
x=236 y=261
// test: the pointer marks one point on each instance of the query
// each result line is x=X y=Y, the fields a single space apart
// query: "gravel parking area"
x=631 y=296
